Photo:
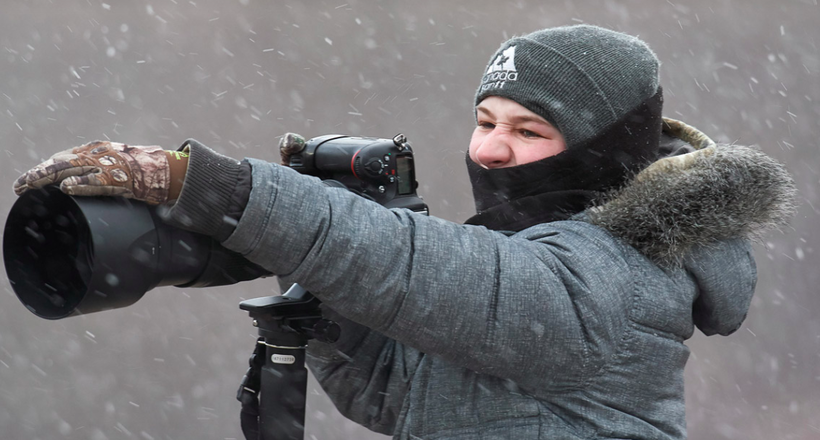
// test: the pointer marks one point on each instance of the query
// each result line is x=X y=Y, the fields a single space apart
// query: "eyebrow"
x=516 y=118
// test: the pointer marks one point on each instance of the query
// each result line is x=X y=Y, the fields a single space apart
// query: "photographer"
x=559 y=310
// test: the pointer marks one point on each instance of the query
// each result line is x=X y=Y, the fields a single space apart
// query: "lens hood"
x=69 y=255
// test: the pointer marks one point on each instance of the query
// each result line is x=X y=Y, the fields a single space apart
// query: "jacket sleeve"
x=543 y=308
x=365 y=373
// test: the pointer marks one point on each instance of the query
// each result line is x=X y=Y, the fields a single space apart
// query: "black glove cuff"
x=207 y=193
x=239 y=200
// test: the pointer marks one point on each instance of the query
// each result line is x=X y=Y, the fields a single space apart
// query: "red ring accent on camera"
x=353 y=161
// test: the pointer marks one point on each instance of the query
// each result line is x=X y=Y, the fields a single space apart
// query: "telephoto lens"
x=69 y=255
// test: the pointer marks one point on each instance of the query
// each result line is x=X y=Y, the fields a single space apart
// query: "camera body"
x=382 y=170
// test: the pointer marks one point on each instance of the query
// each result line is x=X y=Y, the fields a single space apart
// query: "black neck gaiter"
x=558 y=187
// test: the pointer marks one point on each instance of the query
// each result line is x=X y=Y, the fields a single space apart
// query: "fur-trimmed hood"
x=700 y=194
x=691 y=205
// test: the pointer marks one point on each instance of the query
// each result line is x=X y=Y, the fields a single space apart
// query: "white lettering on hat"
x=501 y=70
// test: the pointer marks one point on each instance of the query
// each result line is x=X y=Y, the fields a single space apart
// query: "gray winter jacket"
x=566 y=330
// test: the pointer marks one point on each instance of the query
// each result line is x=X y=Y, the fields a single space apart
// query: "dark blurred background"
x=237 y=74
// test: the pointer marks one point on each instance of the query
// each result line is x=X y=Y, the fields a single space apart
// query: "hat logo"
x=501 y=70
x=504 y=61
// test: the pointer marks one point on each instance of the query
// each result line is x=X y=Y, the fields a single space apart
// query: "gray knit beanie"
x=580 y=78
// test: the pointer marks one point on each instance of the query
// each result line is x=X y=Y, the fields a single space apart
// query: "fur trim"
x=687 y=133
x=696 y=199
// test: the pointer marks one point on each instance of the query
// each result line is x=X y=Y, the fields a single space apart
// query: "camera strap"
x=248 y=392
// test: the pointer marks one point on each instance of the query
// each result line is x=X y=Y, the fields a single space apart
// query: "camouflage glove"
x=104 y=168
x=290 y=144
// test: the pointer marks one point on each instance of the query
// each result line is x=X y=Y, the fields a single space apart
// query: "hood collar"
x=699 y=194
x=697 y=211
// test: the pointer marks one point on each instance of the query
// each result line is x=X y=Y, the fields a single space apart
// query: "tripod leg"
x=283 y=394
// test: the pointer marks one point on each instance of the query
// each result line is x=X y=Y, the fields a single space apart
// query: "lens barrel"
x=69 y=255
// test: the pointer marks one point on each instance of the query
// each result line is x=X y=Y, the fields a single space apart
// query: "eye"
x=486 y=125
x=530 y=134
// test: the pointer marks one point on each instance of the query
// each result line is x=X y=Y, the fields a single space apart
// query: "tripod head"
x=296 y=312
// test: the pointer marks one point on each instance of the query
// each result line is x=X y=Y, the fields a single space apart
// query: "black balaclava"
x=600 y=89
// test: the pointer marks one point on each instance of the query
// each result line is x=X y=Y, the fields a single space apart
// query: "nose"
x=494 y=150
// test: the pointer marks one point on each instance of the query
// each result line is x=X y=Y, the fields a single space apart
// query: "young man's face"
x=507 y=134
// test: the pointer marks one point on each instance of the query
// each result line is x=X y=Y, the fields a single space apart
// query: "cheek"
x=475 y=142
x=534 y=153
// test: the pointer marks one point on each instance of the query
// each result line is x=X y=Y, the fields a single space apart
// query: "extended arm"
x=469 y=295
